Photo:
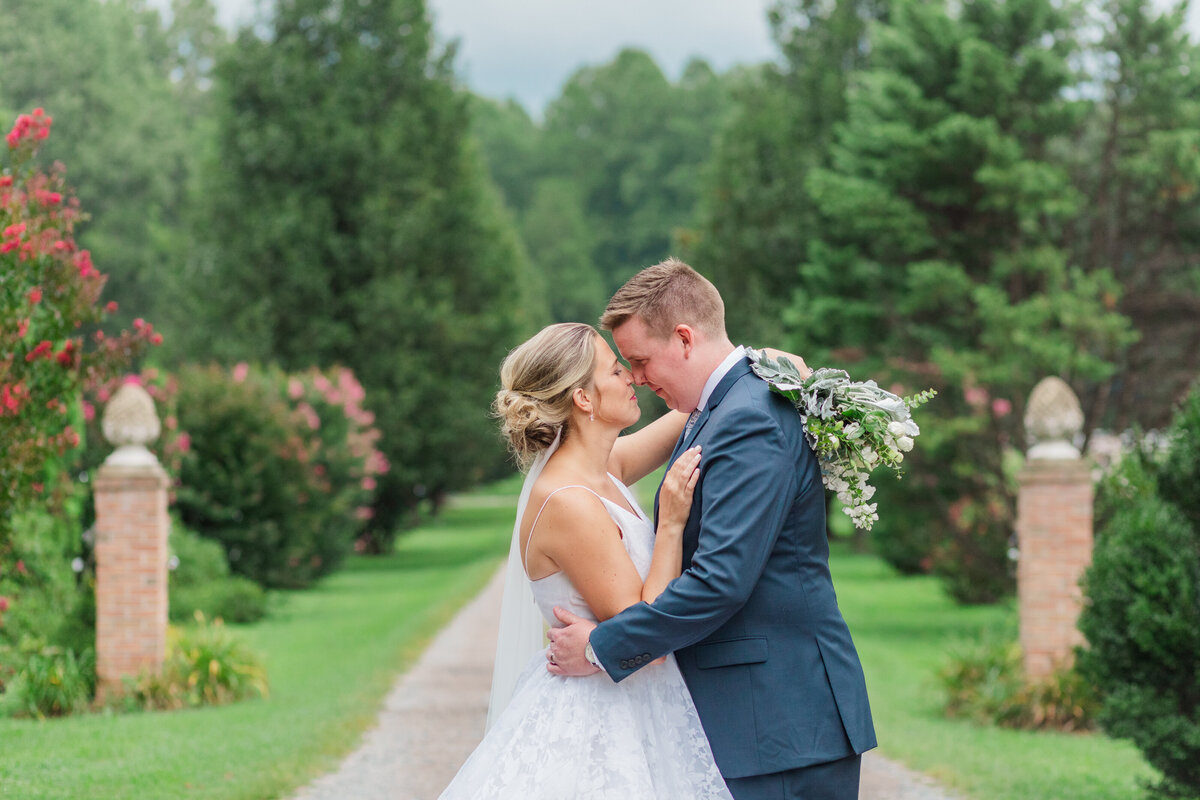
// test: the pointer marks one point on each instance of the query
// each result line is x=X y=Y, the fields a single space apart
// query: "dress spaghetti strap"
x=525 y=555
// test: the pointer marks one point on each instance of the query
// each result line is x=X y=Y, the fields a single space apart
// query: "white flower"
x=904 y=443
x=896 y=428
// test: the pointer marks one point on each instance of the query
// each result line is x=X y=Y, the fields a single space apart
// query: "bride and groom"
x=698 y=655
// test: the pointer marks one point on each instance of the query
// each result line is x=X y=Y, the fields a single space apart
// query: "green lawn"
x=331 y=655
x=903 y=627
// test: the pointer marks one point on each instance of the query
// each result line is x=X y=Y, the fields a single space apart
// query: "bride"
x=582 y=543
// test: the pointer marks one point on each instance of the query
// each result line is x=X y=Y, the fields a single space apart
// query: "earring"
x=592 y=417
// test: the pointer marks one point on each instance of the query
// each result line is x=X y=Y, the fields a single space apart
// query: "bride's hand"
x=675 y=496
x=795 y=359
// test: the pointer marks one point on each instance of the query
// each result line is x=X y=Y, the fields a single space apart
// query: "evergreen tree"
x=757 y=219
x=938 y=254
x=351 y=225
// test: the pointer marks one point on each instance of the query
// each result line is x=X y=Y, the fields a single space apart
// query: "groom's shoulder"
x=751 y=397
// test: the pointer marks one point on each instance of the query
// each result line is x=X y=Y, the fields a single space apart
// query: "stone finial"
x=130 y=423
x=1053 y=418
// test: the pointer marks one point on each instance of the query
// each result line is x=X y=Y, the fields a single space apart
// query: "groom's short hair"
x=668 y=294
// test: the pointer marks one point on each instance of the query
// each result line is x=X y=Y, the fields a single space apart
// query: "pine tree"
x=939 y=259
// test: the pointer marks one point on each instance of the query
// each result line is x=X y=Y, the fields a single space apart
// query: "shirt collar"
x=720 y=372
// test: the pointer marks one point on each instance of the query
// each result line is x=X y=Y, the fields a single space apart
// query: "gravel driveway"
x=435 y=713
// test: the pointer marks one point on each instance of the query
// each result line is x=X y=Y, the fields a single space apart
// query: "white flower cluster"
x=853 y=427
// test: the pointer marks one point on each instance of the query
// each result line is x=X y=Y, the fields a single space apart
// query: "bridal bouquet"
x=852 y=426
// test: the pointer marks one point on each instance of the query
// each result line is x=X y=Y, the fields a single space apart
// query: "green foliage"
x=985 y=682
x=200 y=582
x=1142 y=619
x=756 y=221
x=1136 y=160
x=275 y=478
x=206 y=665
x=104 y=70
x=349 y=223
x=938 y=255
x=53 y=682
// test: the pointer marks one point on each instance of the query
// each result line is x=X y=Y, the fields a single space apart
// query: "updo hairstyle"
x=538 y=379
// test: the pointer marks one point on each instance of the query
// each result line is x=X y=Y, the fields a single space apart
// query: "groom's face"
x=657 y=362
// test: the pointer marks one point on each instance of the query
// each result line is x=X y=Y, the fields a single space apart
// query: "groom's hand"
x=567 y=644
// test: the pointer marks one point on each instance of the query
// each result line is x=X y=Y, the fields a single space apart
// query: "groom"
x=753 y=619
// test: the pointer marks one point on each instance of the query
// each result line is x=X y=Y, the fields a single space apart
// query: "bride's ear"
x=580 y=399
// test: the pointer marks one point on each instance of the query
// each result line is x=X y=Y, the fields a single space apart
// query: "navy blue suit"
x=753 y=620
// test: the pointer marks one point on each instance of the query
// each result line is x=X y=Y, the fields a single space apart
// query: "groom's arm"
x=748 y=486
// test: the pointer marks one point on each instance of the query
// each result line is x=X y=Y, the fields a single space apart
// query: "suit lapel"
x=739 y=370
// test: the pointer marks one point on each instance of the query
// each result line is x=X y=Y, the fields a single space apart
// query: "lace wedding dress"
x=589 y=738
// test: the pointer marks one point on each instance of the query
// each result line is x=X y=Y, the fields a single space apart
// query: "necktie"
x=691 y=420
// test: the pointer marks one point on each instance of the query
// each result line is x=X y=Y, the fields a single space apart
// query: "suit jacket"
x=753 y=620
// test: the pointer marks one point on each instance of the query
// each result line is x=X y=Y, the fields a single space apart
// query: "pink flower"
x=1001 y=407
x=295 y=388
x=89 y=411
x=43 y=349
x=240 y=371
x=35 y=295
x=976 y=396
x=310 y=415
x=364 y=512
x=368 y=484
x=111 y=307
x=184 y=443
x=136 y=380
x=3 y=604
x=22 y=328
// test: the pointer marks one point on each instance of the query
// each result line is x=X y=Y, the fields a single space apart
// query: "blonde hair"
x=538 y=379
x=665 y=295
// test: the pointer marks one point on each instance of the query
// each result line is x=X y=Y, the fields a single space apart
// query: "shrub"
x=232 y=599
x=986 y=683
x=52 y=683
x=205 y=665
x=1142 y=616
x=279 y=469
x=200 y=581
x=49 y=289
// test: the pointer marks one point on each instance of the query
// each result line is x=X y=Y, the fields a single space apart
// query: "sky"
x=528 y=48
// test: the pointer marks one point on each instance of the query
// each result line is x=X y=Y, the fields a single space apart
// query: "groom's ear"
x=686 y=336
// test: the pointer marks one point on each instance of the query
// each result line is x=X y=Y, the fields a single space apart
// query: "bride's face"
x=613 y=398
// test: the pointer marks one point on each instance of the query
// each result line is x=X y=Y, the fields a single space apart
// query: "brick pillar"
x=1054 y=533
x=131 y=571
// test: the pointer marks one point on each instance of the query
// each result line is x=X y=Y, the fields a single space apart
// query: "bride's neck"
x=588 y=447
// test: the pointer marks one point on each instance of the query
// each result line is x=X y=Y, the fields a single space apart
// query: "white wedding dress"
x=590 y=738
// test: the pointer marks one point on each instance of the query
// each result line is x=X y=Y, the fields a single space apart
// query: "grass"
x=331 y=655
x=903 y=628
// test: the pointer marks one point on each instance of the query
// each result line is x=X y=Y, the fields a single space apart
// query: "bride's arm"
x=577 y=534
x=636 y=455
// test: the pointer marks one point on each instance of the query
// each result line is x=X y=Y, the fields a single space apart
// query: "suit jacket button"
x=637 y=661
x=625 y=664
x=645 y=656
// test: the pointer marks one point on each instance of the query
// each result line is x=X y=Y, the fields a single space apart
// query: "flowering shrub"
x=49 y=292
x=280 y=469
